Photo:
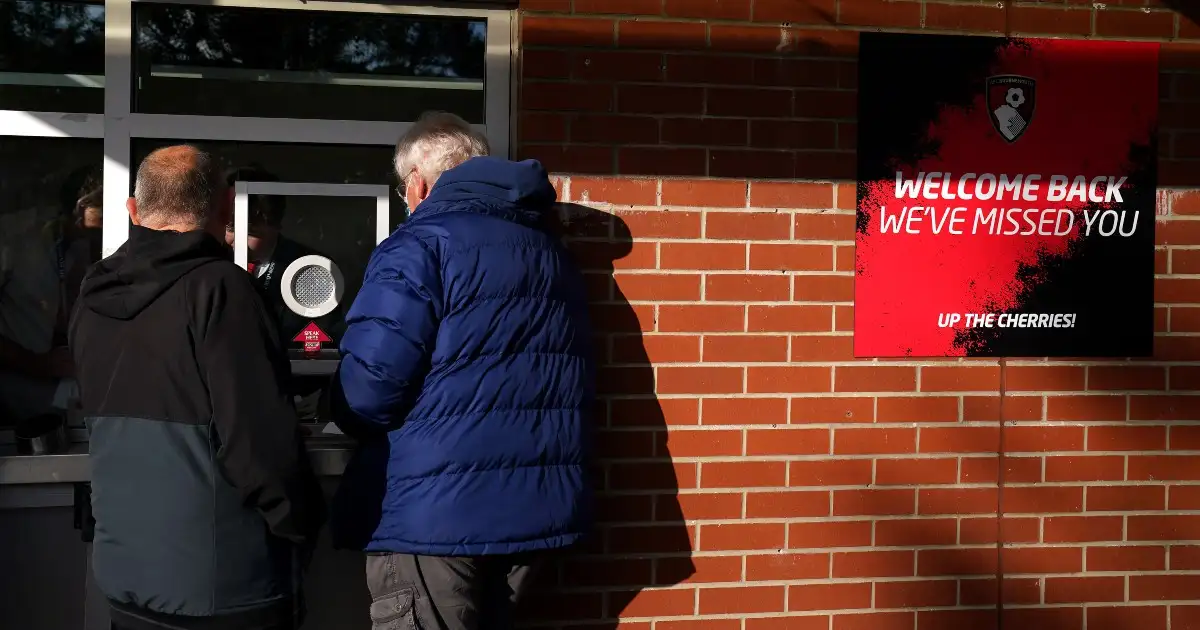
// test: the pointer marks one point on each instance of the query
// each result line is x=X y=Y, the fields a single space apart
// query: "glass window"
x=51 y=213
x=220 y=61
x=284 y=228
x=52 y=56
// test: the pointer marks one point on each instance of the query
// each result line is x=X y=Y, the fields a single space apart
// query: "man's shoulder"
x=221 y=275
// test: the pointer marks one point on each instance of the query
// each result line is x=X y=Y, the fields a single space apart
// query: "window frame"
x=118 y=126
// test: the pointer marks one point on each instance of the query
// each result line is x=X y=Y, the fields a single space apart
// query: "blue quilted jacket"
x=467 y=376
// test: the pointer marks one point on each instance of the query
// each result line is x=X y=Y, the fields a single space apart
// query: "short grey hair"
x=436 y=143
x=178 y=185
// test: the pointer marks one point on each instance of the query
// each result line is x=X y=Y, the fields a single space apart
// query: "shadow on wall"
x=640 y=540
x=702 y=104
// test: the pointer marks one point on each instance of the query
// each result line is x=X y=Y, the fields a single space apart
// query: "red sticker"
x=312 y=337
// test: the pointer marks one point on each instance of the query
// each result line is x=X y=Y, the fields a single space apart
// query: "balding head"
x=178 y=188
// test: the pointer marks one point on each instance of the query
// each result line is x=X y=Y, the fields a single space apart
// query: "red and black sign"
x=312 y=337
x=1006 y=197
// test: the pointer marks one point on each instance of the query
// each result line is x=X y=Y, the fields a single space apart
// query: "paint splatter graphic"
x=982 y=110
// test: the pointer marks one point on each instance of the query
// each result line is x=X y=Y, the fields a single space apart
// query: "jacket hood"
x=518 y=191
x=149 y=263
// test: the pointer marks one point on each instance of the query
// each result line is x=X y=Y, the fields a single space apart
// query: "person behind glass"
x=467 y=378
x=204 y=502
x=40 y=273
x=269 y=254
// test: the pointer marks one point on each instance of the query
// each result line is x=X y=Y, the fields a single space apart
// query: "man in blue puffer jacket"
x=467 y=377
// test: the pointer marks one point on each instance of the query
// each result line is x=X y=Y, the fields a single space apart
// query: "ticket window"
x=313 y=269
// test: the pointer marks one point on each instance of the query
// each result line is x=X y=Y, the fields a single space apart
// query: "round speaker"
x=312 y=286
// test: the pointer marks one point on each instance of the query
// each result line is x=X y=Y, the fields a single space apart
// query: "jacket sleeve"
x=390 y=332
x=261 y=449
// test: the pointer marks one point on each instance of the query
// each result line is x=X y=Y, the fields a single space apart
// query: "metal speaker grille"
x=312 y=286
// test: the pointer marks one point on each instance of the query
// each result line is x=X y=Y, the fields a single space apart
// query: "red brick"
x=1135 y=23
x=692 y=442
x=911 y=472
x=1043 y=378
x=874 y=564
x=917 y=409
x=751 y=164
x=986 y=18
x=1126 y=498
x=1126 y=377
x=658 y=286
x=796 y=11
x=830 y=472
x=1126 y=558
x=569 y=159
x=1163 y=468
x=746 y=288
x=823 y=534
x=745 y=348
x=791 y=257
x=792 y=134
x=710 y=193
x=788 y=505
x=960 y=439
x=545 y=64
x=936 y=562
x=860 y=502
x=659 y=99
x=1076 y=529
x=649 y=602
x=1163 y=587
x=1050 y=21
x=661 y=223
x=790 y=318
x=873 y=441
x=1041 y=560
x=656 y=349
x=1126 y=617
x=742 y=599
x=795 y=566
x=887 y=13
x=874 y=379
x=614 y=65
x=957 y=501
x=954 y=379
x=1085 y=468
x=920 y=532
x=823 y=288
x=1038 y=439
x=589 y=97
x=808 y=348
x=1038 y=499
x=703 y=506
x=708 y=256
x=1163 y=527
x=790 y=441
x=831 y=410
x=771 y=380
x=708 y=9
x=1090 y=408
x=707 y=132
x=916 y=594
x=614 y=129
x=662 y=161
x=548 y=31
x=842 y=596
x=736 y=536
x=745 y=474
x=745 y=411
x=624 y=191
x=674 y=36
x=765 y=194
x=626 y=7
x=697 y=318
x=760 y=226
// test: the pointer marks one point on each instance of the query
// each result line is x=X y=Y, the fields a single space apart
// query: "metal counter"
x=329 y=457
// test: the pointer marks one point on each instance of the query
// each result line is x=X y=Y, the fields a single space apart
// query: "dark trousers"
x=447 y=593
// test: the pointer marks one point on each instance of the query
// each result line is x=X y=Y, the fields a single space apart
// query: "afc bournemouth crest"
x=1011 y=100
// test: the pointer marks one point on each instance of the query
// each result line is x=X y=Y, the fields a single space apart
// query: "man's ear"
x=131 y=205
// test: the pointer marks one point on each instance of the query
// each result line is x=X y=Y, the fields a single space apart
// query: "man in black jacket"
x=204 y=501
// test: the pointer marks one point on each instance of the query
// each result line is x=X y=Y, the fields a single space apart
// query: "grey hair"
x=178 y=185
x=436 y=143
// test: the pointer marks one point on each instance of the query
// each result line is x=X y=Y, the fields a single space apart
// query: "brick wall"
x=755 y=476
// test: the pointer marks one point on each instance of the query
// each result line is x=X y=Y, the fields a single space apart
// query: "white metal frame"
x=243 y=190
x=119 y=125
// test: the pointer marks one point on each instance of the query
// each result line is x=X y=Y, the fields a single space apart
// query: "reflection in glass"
x=51 y=215
x=283 y=229
x=273 y=63
x=52 y=56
